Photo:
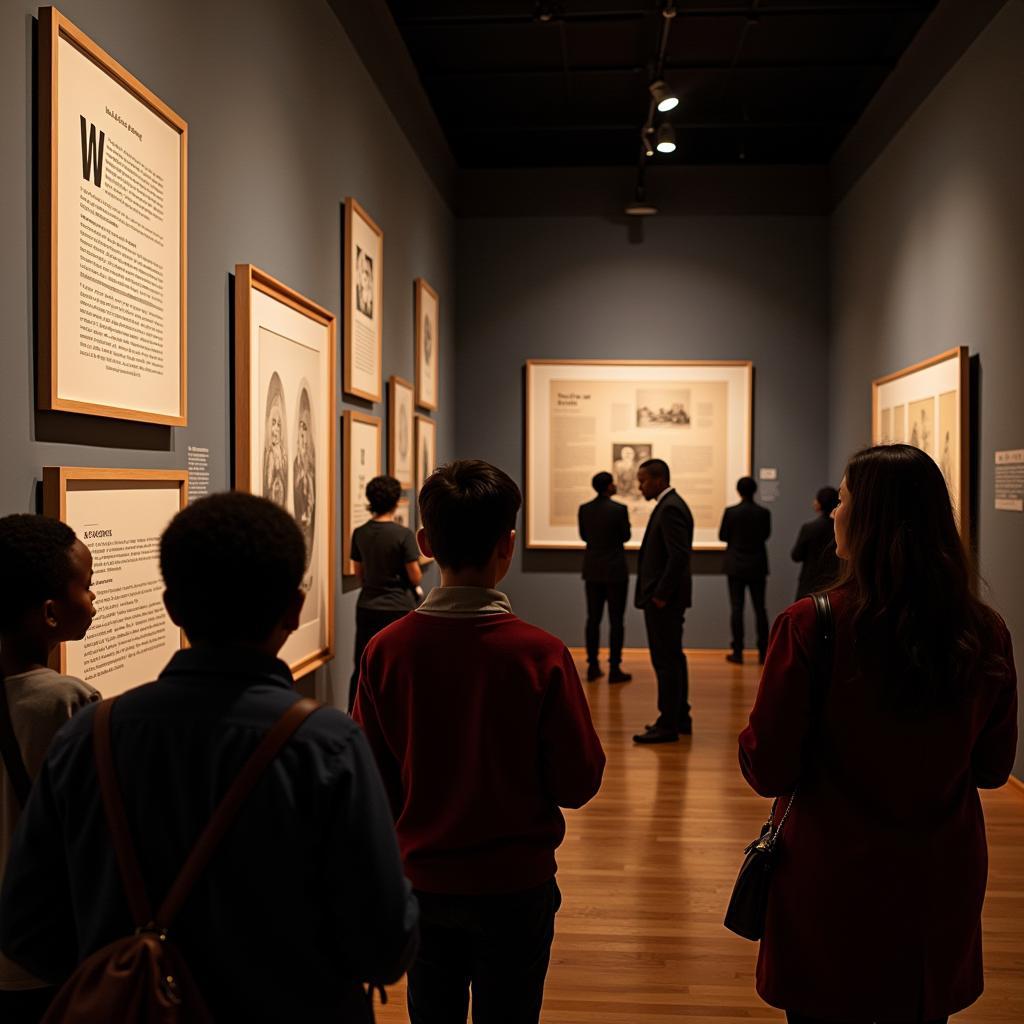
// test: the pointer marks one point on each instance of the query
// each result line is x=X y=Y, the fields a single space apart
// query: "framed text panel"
x=361 y=463
x=364 y=304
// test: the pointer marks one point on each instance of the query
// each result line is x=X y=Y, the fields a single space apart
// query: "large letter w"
x=90 y=156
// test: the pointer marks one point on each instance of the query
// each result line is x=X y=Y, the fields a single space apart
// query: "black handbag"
x=748 y=904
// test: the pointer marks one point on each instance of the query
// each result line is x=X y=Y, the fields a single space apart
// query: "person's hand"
x=658 y=603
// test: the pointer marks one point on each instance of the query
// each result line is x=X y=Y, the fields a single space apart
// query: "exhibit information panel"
x=361 y=459
x=584 y=417
x=364 y=305
x=120 y=520
x=113 y=282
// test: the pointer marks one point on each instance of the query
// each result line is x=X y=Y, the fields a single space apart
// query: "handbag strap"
x=211 y=836
x=14 y=763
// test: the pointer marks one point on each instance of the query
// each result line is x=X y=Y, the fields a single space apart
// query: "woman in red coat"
x=875 y=906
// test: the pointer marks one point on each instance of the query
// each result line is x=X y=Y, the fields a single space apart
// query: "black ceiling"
x=760 y=81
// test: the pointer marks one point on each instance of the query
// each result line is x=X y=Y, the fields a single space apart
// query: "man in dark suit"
x=604 y=525
x=664 y=588
x=816 y=546
x=745 y=528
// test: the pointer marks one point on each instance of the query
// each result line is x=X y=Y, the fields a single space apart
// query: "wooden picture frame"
x=428 y=345
x=401 y=449
x=426 y=450
x=112 y=255
x=119 y=512
x=361 y=461
x=363 y=302
x=286 y=387
x=612 y=414
x=928 y=405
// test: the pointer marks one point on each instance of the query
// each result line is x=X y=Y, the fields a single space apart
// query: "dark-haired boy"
x=481 y=731
x=46 y=598
x=304 y=899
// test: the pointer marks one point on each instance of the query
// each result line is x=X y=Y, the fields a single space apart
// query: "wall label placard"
x=1009 y=477
x=198 y=472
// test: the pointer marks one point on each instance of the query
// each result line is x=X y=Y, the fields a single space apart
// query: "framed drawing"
x=928 y=405
x=584 y=416
x=428 y=344
x=112 y=222
x=361 y=463
x=364 y=303
x=401 y=454
x=285 y=439
x=426 y=449
x=119 y=514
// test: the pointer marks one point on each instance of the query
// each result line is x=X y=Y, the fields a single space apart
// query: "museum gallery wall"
x=145 y=384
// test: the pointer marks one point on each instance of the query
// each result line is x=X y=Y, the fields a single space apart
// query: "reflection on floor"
x=647 y=867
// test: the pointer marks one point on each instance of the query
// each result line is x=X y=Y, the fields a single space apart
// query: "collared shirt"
x=465 y=601
x=668 y=490
x=304 y=898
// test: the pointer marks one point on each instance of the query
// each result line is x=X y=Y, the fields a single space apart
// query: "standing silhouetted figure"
x=815 y=546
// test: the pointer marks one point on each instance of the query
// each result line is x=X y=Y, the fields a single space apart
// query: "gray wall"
x=928 y=253
x=284 y=122
x=675 y=287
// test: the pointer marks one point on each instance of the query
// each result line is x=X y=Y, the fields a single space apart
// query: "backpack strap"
x=21 y=782
x=209 y=839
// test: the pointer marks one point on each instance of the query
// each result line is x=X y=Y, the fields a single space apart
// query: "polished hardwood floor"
x=647 y=867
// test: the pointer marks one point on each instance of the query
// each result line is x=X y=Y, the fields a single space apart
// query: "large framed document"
x=361 y=463
x=285 y=435
x=585 y=416
x=428 y=345
x=928 y=405
x=364 y=304
x=119 y=515
x=111 y=243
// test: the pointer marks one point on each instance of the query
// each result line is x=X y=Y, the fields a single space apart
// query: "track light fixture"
x=664 y=98
x=666 y=139
x=647 y=138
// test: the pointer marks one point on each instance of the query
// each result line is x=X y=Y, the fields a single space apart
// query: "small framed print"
x=428 y=344
x=285 y=436
x=361 y=463
x=426 y=449
x=119 y=515
x=401 y=451
x=364 y=303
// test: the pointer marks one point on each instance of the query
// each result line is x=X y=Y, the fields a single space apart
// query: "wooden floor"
x=647 y=867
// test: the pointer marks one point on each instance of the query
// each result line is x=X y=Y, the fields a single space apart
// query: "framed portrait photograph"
x=401 y=450
x=428 y=344
x=119 y=515
x=587 y=416
x=285 y=435
x=426 y=449
x=361 y=449
x=364 y=303
x=928 y=405
x=111 y=248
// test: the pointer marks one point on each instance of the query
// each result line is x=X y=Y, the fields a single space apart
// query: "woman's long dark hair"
x=917 y=622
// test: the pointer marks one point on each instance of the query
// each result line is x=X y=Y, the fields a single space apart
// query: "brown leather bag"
x=143 y=978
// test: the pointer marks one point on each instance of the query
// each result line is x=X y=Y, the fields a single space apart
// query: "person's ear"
x=51 y=619
x=290 y=619
x=424 y=542
x=507 y=546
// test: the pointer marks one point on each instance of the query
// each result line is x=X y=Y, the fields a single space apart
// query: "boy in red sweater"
x=481 y=732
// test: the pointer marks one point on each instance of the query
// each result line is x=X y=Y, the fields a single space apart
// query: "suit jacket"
x=604 y=525
x=745 y=527
x=663 y=569
x=816 y=548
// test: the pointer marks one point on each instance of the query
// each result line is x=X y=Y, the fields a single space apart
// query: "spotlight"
x=647 y=138
x=664 y=97
x=640 y=207
x=666 y=139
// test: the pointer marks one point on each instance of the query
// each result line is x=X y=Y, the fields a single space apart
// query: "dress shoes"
x=594 y=672
x=616 y=675
x=736 y=659
x=657 y=735
x=685 y=727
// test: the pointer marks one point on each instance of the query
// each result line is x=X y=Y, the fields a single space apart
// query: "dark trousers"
x=25 y=1006
x=597 y=594
x=369 y=622
x=665 y=640
x=498 y=945
x=798 y=1018
x=757 y=588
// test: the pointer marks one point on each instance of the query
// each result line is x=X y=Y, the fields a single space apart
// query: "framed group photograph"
x=428 y=344
x=285 y=435
x=927 y=405
x=119 y=515
x=361 y=451
x=587 y=416
x=111 y=250
x=364 y=303
x=426 y=449
x=401 y=450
